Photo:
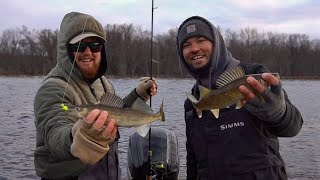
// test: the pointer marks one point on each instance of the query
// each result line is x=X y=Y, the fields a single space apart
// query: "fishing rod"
x=149 y=169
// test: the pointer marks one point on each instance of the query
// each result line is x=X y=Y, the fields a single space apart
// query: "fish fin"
x=194 y=101
x=192 y=98
x=139 y=104
x=215 y=112
x=199 y=112
x=229 y=76
x=143 y=130
x=239 y=105
x=163 y=118
x=111 y=100
x=203 y=91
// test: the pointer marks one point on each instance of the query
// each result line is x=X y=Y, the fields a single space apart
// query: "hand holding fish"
x=97 y=120
x=147 y=87
x=91 y=137
x=272 y=105
x=256 y=85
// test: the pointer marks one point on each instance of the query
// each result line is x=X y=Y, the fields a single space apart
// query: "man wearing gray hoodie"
x=241 y=144
x=68 y=147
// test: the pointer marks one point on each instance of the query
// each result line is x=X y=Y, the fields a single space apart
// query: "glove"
x=144 y=86
x=89 y=144
x=271 y=108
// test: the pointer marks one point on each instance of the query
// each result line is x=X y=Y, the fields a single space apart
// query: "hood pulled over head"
x=74 y=27
x=197 y=26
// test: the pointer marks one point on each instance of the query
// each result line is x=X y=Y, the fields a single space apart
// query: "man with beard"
x=67 y=147
x=241 y=144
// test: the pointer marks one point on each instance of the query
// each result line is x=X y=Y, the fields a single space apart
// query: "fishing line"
x=64 y=107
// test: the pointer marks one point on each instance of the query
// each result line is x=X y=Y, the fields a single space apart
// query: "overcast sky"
x=282 y=16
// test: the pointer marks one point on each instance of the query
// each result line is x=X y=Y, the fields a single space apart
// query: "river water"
x=17 y=131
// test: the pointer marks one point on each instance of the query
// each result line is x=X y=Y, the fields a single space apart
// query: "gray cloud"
x=296 y=16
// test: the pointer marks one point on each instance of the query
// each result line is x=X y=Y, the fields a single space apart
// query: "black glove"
x=270 y=107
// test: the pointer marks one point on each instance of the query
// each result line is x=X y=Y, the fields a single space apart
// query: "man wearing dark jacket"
x=241 y=144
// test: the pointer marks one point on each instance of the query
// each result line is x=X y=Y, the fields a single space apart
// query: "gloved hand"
x=89 y=143
x=271 y=108
x=146 y=88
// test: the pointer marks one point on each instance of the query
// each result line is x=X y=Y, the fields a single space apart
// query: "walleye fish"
x=124 y=117
x=227 y=92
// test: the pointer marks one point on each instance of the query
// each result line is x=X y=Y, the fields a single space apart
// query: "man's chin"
x=197 y=66
x=89 y=74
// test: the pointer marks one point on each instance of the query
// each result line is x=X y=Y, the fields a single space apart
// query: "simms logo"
x=232 y=125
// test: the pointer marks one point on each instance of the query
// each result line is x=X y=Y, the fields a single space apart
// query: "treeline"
x=33 y=52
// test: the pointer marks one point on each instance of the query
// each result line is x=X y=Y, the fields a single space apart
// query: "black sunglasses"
x=82 y=46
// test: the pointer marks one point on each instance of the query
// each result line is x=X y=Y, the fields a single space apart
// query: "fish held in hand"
x=227 y=92
x=140 y=115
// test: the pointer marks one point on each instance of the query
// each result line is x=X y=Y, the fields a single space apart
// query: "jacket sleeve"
x=291 y=122
x=53 y=125
x=130 y=98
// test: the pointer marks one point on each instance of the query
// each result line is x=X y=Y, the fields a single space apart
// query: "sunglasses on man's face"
x=82 y=46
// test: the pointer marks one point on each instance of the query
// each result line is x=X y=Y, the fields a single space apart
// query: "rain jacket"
x=52 y=156
x=237 y=146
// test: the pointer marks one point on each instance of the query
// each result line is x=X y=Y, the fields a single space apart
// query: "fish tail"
x=194 y=101
x=199 y=112
x=192 y=98
x=162 y=113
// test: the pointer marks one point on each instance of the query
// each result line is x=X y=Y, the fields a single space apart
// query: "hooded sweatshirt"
x=238 y=145
x=65 y=84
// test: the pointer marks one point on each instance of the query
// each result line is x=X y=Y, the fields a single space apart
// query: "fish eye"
x=78 y=108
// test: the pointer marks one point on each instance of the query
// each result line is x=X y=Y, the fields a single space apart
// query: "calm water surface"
x=17 y=131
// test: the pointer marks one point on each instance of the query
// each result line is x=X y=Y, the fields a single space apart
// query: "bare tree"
x=128 y=51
